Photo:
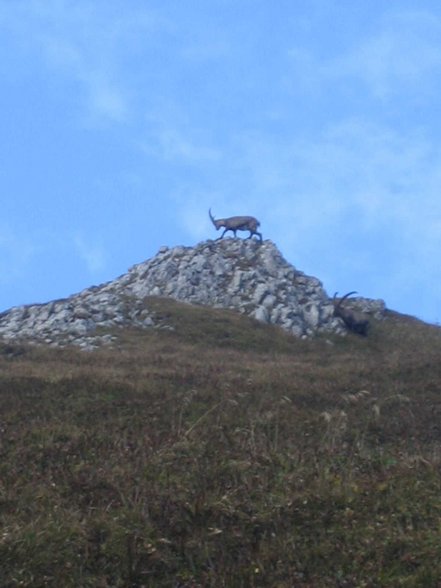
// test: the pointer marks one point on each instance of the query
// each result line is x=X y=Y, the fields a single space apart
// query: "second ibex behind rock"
x=355 y=321
x=237 y=223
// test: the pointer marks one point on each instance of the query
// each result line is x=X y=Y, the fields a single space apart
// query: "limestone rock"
x=243 y=275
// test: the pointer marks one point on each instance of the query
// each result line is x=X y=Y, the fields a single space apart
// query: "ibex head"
x=217 y=223
x=353 y=320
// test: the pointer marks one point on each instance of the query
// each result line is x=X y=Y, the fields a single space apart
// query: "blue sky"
x=123 y=122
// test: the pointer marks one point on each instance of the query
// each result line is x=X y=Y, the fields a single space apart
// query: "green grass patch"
x=223 y=453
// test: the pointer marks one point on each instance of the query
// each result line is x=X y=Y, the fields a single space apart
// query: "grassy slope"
x=224 y=453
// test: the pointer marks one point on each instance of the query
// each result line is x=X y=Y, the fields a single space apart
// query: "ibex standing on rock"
x=354 y=321
x=237 y=223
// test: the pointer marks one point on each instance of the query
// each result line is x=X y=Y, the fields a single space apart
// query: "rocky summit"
x=243 y=275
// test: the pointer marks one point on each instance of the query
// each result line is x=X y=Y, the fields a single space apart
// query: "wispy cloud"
x=406 y=51
x=91 y=253
x=85 y=42
x=170 y=136
x=105 y=95
x=402 y=53
x=176 y=145
x=16 y=254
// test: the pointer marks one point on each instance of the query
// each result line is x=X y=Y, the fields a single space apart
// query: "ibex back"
x=237 y=223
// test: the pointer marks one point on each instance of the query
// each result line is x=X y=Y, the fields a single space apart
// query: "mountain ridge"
x=236 y=274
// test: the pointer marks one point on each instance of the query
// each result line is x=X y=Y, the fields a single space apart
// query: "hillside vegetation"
x=224 y=453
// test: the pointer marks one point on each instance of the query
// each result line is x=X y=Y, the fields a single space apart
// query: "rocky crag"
x=242 y=275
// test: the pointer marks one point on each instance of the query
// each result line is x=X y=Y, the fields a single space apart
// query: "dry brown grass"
x=223 y=454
